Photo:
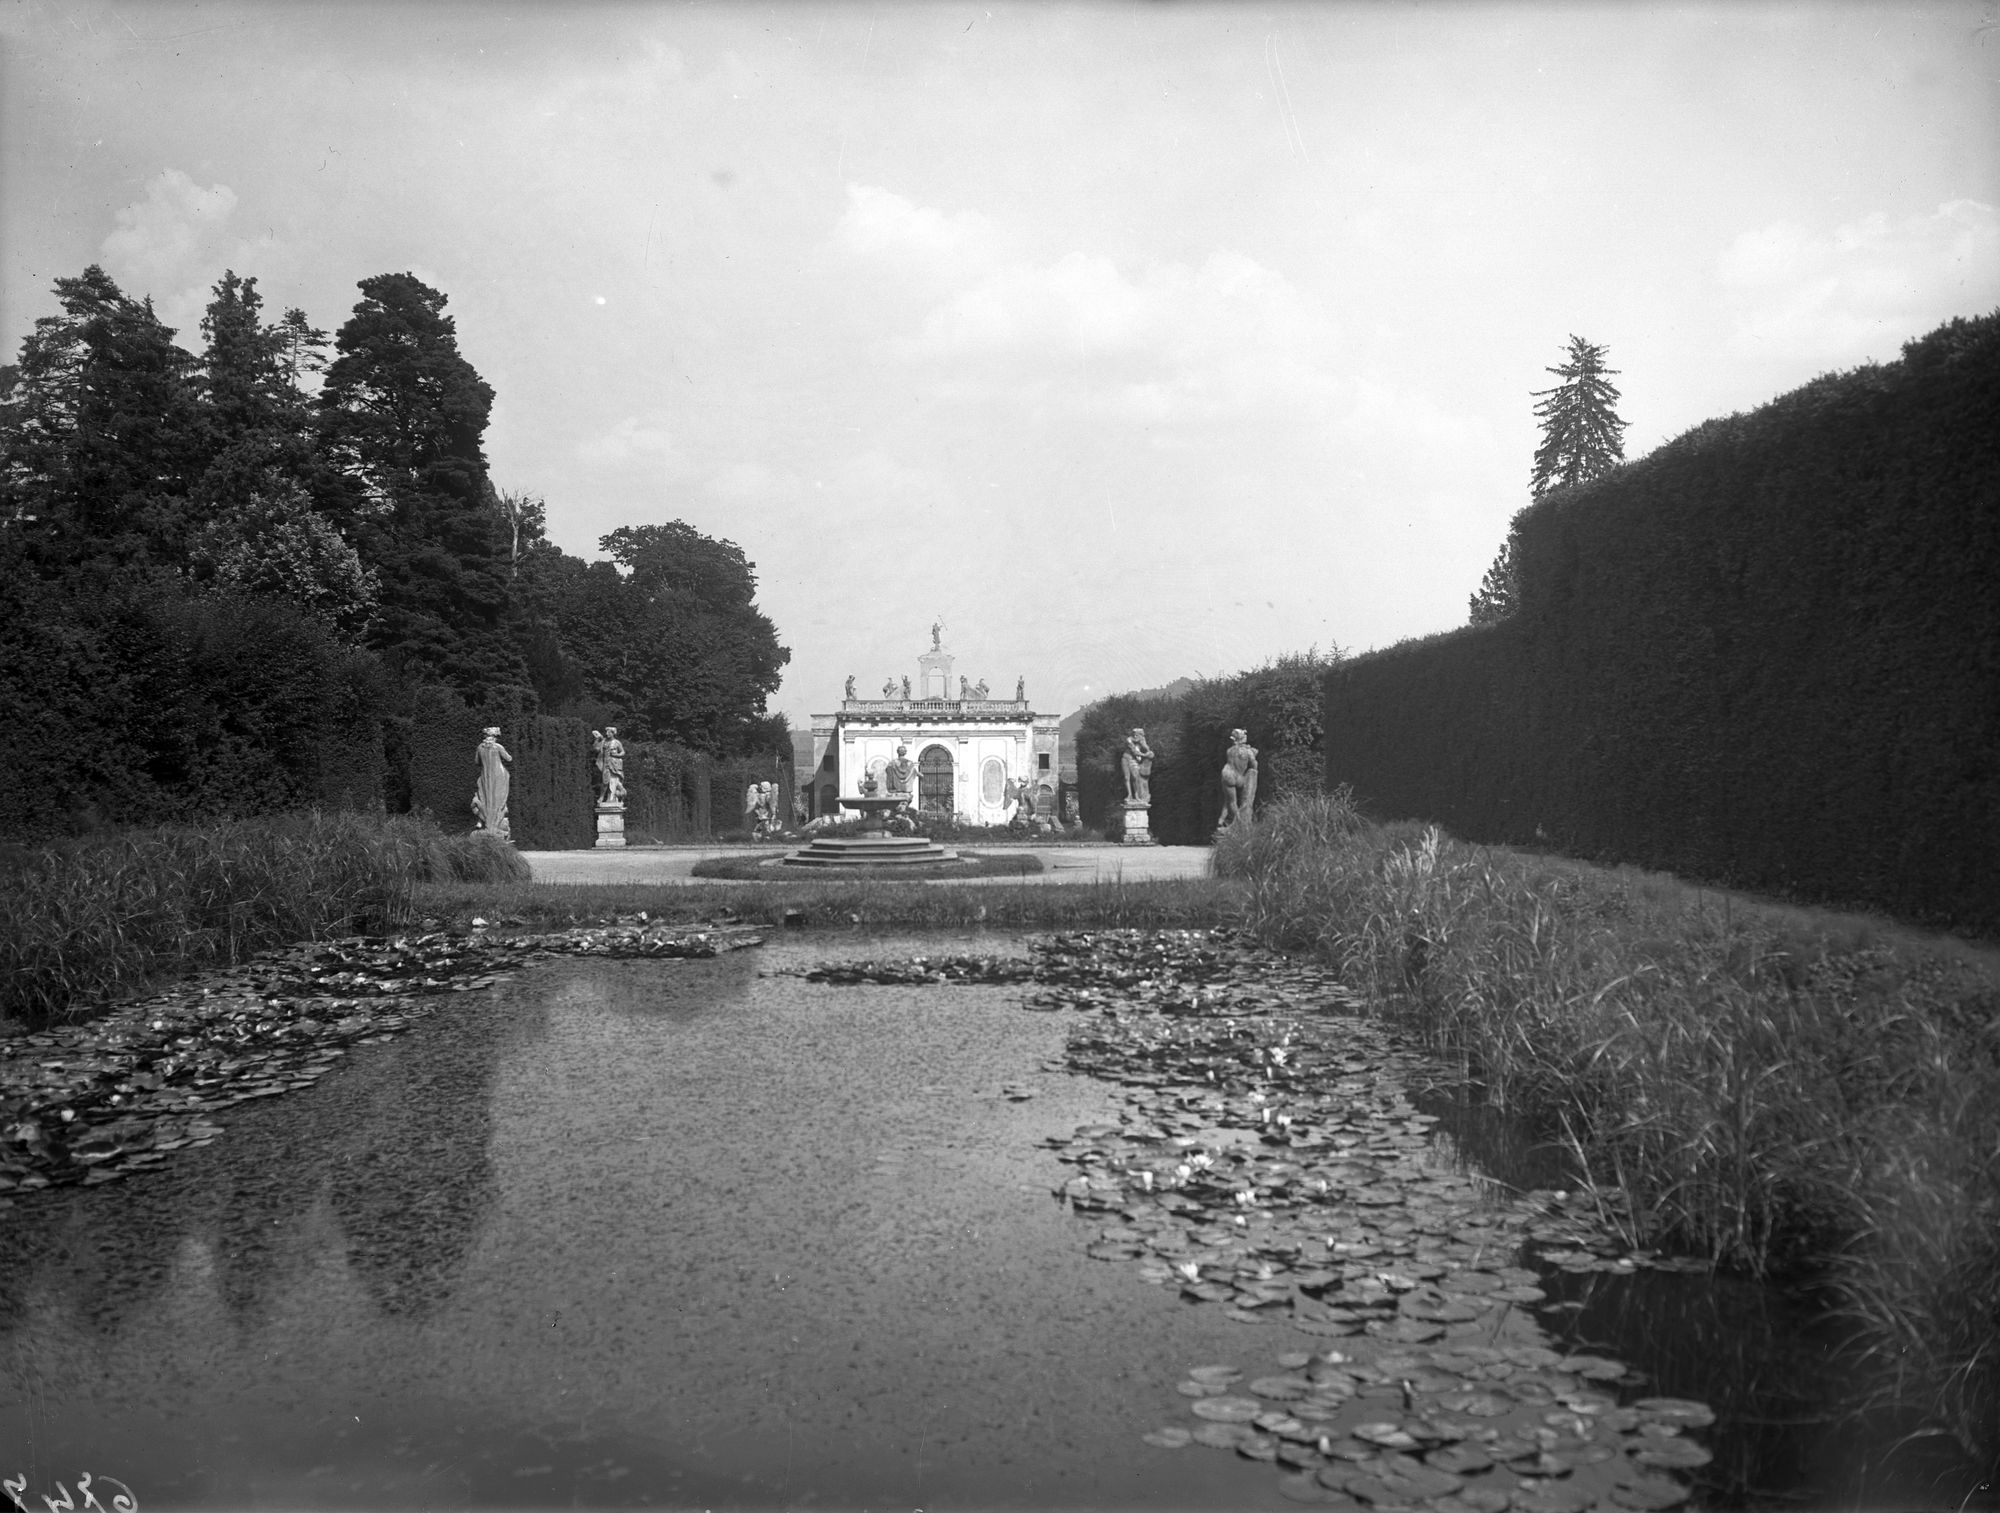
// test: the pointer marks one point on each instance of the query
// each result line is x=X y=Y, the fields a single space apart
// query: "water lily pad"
x=1281 y=1388
x=1459 y=1459
x=1594 y=1367
x=1649 y=1493
x=1305 y=1487
x=1550 y=1497
x=1679 y=1454
x=1386 y=1433
x=1680 y=1411
x=1220 y=1374
x=1404 y=1331
x=1228 y=1410
x=1472 y=1499
x=1222 y=1436
x=1171 y=1438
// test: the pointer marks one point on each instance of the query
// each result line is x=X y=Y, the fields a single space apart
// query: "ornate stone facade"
x=972 y=754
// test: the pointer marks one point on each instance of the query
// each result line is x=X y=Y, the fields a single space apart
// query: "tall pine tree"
x=102 y=434
x=404 y=416
x=1582 y=437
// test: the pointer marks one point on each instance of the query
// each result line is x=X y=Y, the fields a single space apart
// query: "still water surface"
x=621 y=1233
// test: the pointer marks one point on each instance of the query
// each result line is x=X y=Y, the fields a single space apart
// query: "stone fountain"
x=875 y=845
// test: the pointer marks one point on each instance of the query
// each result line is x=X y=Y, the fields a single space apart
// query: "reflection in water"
x=402 y=1155
x=413 y=1179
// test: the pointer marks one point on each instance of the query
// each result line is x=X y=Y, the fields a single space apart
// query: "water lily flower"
x=1189 y=1269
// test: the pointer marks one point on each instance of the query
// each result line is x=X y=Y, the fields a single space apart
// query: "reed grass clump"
x=87 y=920
x=1780 y=1090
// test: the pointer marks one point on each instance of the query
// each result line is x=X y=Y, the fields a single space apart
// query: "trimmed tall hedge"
x=1766 y=654
x=134 y=702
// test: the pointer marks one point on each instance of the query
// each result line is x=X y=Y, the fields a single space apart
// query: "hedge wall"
x=671 y=793
x=1279 y=705
x=1767 y=654
x=135 y=703
x=666 y=792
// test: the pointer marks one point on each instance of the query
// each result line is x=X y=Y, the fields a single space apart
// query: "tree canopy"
x=221 y=565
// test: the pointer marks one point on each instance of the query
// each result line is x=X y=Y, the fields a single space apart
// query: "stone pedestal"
x=1138 y=827
x=610 y=824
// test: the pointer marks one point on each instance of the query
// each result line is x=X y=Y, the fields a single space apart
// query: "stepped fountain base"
x=874 y=846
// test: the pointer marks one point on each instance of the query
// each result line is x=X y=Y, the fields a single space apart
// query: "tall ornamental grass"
x=85 y=921
x=1780 y=1090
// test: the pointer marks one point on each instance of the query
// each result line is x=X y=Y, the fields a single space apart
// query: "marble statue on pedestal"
x=610 y=765
x=1138 y=764
x=489 y=797
x=899 y=772
x=1239 y=780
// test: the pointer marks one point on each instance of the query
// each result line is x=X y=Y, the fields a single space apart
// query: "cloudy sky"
x=1130 y=341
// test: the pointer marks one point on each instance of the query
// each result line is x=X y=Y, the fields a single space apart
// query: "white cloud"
x=169 y=245
x=1862 y=289
x=160 y=239
x=631 y=440
x=880 y=223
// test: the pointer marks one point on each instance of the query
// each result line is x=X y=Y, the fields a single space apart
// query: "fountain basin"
x=874 y=846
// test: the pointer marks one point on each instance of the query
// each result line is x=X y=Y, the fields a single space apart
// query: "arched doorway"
x=934 y=780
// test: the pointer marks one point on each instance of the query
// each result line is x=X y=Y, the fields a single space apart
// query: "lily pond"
x=638 y=1217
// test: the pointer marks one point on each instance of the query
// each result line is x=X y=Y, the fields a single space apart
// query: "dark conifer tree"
x=404 y=416
x=101 y=436
x=1582 y=437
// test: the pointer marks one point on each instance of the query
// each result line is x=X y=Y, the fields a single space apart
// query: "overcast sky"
x=1130 y=341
